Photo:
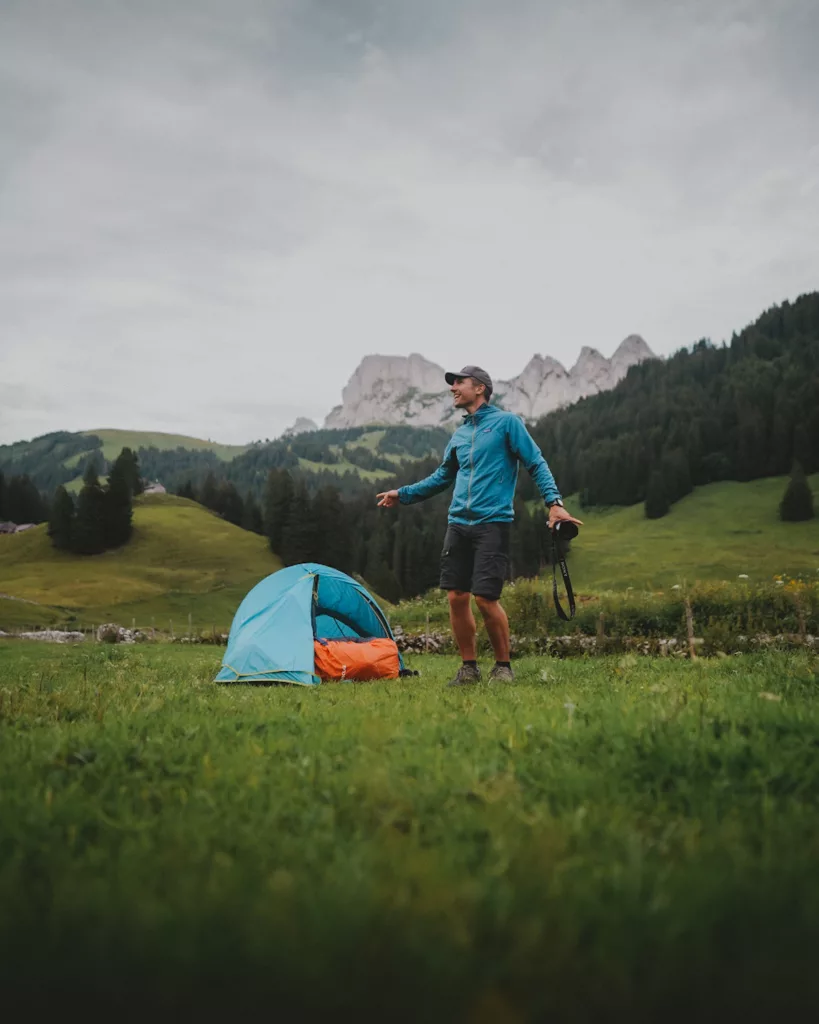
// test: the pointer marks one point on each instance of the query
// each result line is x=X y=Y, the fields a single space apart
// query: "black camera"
x=564 y=530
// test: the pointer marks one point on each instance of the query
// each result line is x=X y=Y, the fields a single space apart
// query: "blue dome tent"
x=279 y=624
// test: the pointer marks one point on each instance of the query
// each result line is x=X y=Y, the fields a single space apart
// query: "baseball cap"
x=480 y=375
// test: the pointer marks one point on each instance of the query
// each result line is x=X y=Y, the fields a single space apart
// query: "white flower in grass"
x=676 y=587
x=743 y=576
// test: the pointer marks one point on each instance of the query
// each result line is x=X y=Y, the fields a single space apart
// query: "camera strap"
x=559 y=559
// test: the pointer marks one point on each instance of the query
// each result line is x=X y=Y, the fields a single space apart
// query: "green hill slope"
x=113 y=441
x=181 y=560
x=60 y=457
x=715 y=533
x=184 y=560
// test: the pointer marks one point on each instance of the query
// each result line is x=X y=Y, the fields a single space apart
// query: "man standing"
x=482 y=459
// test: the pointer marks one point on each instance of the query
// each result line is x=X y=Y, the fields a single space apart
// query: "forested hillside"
x=739 y=411
x=344 y=458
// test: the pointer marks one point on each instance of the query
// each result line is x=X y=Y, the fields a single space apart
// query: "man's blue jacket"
x=483 y=458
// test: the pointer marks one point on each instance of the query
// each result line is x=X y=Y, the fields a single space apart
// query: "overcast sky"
x=210 y=210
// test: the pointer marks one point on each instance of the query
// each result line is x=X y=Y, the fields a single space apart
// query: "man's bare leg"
x=497 y=626
x=463 y=623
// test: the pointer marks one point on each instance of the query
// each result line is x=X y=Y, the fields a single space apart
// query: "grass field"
x=340 y=468
x=715 y=533
x=182 y=559
x=604 y=840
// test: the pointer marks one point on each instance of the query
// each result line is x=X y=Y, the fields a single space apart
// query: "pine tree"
x=131 y=471
x=209 y=495
x=524 y=543
x=656 y=503
x=277 y=502
x=252 y=515
x=379 y=574
x=333 y=545
x=61 y=521
x=229 y=503
x=299 y=533
x=23 y=502
x=676 y=475
x=797 y=501
x=3 y=515
x=89 y=521
x=187 y=491
x=118 y=508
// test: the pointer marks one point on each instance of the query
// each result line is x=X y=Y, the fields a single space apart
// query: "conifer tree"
x=209 y=494
x=277 y=502
x=118 y=509
x=23 y=502
x=524 y=543
x=333 y=543
x=61 y=521
x=299 y=533
x=131 y=471
x=3 y=515
x=378 y=570
x=797 y=502
x=252 y=515
x=89 y=521
x=228 y=503
x=187 y=491
x=656 y=503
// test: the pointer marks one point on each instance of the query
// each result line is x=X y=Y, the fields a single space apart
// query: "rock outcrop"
x=303 y=425
x=411 y=389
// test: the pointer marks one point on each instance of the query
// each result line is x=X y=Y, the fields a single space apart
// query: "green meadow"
x=715 y=533
x=615 y=838
x=184 y=560
x=181 y=560
x=113 y=441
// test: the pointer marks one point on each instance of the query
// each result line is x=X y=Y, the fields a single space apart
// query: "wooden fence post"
x=689 y=625
x=800 y=614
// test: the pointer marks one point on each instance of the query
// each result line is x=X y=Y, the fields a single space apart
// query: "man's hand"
x=387 y=499
x=557 y=513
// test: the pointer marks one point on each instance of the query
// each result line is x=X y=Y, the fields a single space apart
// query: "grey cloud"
x=206 y=206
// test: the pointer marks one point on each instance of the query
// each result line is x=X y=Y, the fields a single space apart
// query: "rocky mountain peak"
x=303 y=425
x=411 y=389
x=629 y=352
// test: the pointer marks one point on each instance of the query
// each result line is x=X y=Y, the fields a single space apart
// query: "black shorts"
x=476 y=559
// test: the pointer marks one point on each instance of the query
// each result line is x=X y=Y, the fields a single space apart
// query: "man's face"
x=466 y=391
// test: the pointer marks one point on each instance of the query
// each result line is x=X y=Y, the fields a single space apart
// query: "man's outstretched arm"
x=426 y=488
x=523 y=446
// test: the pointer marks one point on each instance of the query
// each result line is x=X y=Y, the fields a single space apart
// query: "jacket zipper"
x=471 y=468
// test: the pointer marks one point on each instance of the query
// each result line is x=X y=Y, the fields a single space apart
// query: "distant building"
x=15 y=528
x=154 y=488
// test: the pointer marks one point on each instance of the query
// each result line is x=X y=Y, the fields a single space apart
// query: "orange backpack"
x=361 y=660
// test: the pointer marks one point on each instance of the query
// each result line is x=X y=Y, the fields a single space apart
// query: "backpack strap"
x=559 y=558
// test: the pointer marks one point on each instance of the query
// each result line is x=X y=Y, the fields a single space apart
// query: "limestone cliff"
x=411 y=389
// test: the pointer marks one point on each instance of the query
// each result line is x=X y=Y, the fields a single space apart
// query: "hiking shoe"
x=466 y=676
x=501 y=674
